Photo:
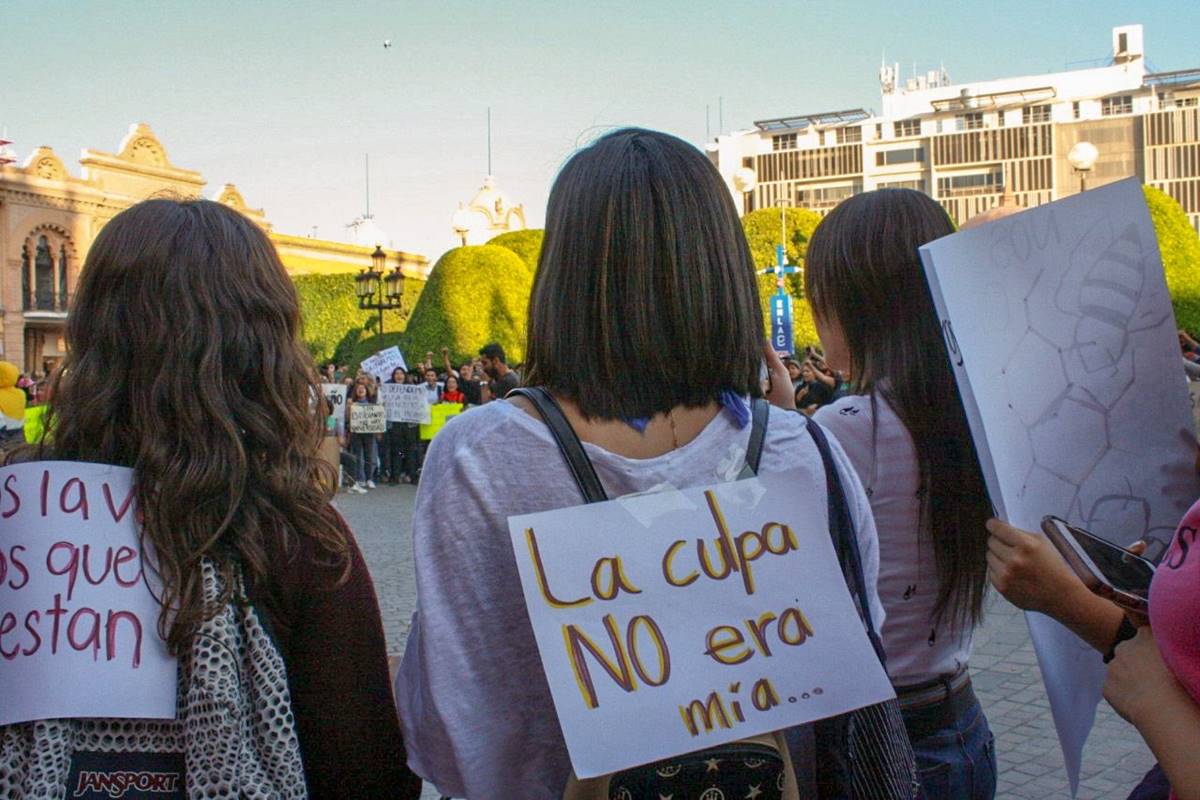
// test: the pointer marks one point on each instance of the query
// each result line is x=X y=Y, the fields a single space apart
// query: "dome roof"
x=366 y=232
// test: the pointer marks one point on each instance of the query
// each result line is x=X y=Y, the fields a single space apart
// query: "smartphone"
x=1108 y=570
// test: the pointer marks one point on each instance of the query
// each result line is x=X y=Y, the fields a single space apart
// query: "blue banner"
x=781 y=322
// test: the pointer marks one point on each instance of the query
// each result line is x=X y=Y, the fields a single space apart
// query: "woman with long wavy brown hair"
x=185 y=364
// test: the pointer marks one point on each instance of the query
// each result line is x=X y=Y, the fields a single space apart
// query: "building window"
x=1031 y=115
x=1121 y=104
x=849 y=135
x=43 y=276
x=908 y=127
x=977 y=183
x=26 y=276
x=969 y=122
x=786 y=141
x=62 y=278
x=825 y=197
x=878 y=130
x=917 y=185
x=887 y=157
x=1075 y=109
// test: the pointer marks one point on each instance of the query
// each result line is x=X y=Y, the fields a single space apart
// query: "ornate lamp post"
x=378 y=290
x=1082 y=158
x=461 y=223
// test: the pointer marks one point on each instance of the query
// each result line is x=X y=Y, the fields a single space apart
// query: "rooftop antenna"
x=721 y=114
x=707 y=122
x=489 y=139
x=367 y=172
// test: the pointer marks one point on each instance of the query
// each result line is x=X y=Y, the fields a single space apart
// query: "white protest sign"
x=384 y=363
x=1065 y=351
x=367 y=418
x=405 y=402
x=690 y=618
x=335 y=393
x=78 y=625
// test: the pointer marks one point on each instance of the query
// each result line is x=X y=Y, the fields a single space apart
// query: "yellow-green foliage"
x=334 y=325
x=1180 y=248
x=762 y=229
x=527 y=244
x=475 y=295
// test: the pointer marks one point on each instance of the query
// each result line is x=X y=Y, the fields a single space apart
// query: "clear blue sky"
x=283 y=98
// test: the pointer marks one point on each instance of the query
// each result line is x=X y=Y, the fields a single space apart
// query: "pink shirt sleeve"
x=1175 y=604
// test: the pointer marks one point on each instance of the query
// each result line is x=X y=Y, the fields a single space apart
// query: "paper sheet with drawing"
x=1061 y=330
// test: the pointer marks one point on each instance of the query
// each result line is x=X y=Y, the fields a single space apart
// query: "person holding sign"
x=362 y=444
x=185 y=365
x=644 y=262
x=906 y=433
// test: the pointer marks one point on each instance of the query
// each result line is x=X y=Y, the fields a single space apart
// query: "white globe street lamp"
x=1082 y=158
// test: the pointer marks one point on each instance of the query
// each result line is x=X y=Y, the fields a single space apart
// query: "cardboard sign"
x=405 y=403
x=367 y=418
x=1065 y=351
x=686 y=619
x=439 y=413
x=335 y=394
x=384 y=363
x=78 y=623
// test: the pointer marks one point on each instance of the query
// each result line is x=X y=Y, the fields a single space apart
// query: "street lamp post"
x=378 y=290
x=1082 y=158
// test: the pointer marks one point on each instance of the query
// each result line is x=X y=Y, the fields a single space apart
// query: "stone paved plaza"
x=1004 y=670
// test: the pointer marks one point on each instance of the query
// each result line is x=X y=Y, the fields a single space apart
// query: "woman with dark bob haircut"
x=644 y=265
x=905 y=431
x=184 y=363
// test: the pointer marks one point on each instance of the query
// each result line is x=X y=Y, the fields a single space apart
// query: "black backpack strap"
x=568 y=442
x=845 y=539
x=760 y=411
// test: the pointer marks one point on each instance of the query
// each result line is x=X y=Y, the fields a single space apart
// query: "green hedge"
x=526 y=244
x=335 y=328
x=1180 y=248
x=762 y=234
x=475 y=295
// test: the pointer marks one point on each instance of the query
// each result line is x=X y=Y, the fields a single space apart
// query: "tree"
x=1180 y=248
x=527 y=244
x=762 y=229
x=475 y=295
x=333 y=324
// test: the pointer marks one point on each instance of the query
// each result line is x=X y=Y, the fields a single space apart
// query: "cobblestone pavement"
x=1004 y=671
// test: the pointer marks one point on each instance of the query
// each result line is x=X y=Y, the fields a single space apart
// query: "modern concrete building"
x=967 y=145
x=49 y=218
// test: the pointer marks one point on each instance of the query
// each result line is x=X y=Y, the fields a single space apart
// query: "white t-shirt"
x=917 y=650
x=474 y=703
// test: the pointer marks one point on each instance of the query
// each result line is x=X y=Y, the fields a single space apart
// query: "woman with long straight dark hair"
x=906 y=433
x=644 y=262
x=185 y=364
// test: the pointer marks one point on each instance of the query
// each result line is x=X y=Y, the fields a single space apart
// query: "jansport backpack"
x=860 y=755
x=234 y=735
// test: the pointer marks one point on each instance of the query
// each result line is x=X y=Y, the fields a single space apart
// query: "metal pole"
x=367 y=172
x=381 y=320
x=489 y=132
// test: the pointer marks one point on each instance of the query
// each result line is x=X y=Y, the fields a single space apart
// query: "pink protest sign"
x=78 y=621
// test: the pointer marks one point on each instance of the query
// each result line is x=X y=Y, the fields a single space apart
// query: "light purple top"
x=476 y=710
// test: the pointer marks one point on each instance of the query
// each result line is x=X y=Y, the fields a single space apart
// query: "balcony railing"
x=47 y=301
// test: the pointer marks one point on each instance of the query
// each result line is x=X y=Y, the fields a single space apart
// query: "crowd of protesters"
x=233 y=496
x=397 y=455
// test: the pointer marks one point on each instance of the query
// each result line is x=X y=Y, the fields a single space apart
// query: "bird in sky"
x=387 y=44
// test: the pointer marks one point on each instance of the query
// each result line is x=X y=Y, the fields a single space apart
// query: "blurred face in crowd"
x=451 y=384
x=806 y=372
x=794 y=370
x=360 y=391
x=465 y=371
x=329 y=370
x=431 y=377
x=489 y=366
x=398 y=375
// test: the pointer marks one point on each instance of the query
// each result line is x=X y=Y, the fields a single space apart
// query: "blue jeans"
x=958 y=762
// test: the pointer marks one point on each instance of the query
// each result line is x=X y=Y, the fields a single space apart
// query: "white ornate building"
x=489 y=214
x=49 y=218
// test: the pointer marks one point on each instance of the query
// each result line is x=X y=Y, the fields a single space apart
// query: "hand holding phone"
x=1109 y=571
